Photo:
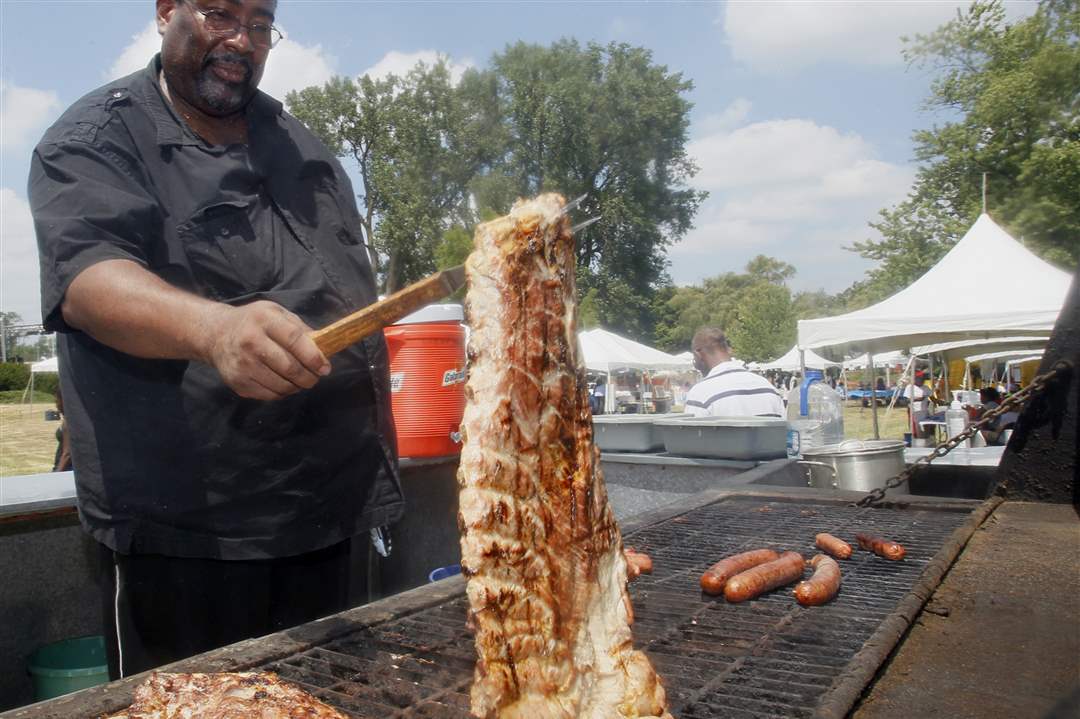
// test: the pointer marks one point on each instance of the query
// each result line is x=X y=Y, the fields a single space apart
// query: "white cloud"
x=19 y=283
x=24 y=113
x=733 y=115
x=780 y=36
x=291 y=65
x=399 y=63
x=789 y=188
x=143 y=46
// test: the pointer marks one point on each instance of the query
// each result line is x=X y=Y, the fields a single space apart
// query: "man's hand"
x=263 y=351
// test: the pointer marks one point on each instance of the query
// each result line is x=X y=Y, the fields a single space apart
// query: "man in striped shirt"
x=729 y=389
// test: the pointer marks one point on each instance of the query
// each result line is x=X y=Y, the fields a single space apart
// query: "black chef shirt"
x=169 y=460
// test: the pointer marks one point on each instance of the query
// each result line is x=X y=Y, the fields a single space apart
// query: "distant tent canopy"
x=46 y=366
x=789 y=361
x=958 y=298
x=605 y=351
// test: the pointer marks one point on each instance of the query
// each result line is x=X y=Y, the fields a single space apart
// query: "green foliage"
x=603 y=121
x=16 y=397
x=764 y=323
x=8 y=319
x=417 y=140
x=14 y=376
x=454 y=248
x=1016 y=93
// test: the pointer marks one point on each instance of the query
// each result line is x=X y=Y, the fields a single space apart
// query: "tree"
x=607 y=123
x=1016 y=92
x=721 y=301
x=417 y=141
x=764 y=323
x=9 y=338
x=770 y=269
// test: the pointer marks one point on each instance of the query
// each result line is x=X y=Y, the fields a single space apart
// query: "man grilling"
x=191 y=233
x=728 y=389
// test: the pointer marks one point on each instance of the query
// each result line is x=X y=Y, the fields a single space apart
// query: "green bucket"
x=67 y=666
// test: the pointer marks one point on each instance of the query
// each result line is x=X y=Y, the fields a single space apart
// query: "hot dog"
x=760 y=579
x=716 y=576
x=637 y=563
x=823 y=585
x=881 y=547
x=833 y=545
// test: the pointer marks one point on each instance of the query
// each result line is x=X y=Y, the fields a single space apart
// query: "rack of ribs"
x=539 y=543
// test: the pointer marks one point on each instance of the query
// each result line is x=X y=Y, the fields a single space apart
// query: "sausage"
x=716 y=576
x=760 y=579
x=833 y=545
x=823 y=585
x=881 y=547
x=637 y=563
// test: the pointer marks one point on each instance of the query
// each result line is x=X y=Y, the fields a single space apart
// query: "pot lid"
x=856 y=447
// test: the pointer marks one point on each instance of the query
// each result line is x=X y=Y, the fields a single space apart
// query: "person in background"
x=918 y=397
x=191 y=233
x=728 y=389
x=599 y=394
x=993 y=433
x=62 y=459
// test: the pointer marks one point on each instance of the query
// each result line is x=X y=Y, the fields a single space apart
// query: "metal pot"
x=855 y=464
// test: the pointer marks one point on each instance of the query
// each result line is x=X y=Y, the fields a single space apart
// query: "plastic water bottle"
x=816 y=412
x=956 y=420
x=826 y=406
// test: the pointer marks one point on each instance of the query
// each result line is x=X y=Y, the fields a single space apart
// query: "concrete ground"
x=1001 y=636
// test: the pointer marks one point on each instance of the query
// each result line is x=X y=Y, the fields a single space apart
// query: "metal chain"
x=1014 y=401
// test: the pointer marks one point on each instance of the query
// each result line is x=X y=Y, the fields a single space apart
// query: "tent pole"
x=802 y=363
x=609 y=394
x=873 y=393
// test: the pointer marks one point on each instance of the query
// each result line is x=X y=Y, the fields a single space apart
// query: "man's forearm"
x=123 y=305
x=261 y=350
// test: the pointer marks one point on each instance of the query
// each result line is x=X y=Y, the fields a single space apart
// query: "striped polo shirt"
x=731 y=390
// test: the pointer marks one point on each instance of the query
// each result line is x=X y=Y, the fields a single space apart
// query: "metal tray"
x=725 y=437
x=626 y=433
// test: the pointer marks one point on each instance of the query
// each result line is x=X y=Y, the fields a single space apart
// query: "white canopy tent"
x=1013 y=356
x=962 y=349
x=956 y=299
x=45 y=366
x=863 y=361
x=789 y=361
x=606 y=352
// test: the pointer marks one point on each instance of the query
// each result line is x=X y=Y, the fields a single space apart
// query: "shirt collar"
x=725 y=366
x=172 y=131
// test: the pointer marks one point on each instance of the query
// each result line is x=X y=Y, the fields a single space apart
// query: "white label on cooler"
x=453 y=376
x=397 y=381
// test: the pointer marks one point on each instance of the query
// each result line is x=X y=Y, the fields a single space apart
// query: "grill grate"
x=768 y=657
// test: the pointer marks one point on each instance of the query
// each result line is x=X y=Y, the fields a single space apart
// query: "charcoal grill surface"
x=768 y=657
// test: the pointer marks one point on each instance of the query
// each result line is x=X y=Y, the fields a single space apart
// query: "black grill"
x=768 y=657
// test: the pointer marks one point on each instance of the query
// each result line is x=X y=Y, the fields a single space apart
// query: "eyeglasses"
x=224 y=24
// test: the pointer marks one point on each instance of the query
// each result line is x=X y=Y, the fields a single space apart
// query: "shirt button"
x=224 y=231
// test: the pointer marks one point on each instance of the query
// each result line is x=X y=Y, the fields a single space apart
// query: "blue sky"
x=802 y=120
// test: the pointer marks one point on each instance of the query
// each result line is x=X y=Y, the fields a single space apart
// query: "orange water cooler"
x=427 y=380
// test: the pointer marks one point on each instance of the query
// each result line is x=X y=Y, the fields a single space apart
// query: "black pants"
x=162 y=609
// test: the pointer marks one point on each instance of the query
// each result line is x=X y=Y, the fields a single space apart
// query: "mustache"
x=233 y=58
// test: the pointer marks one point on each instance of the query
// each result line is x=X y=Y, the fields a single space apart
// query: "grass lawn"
x=27 y=441
x=859 y=422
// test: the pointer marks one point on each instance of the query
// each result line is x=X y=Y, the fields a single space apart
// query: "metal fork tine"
x=572 y=204
x=582 y=225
